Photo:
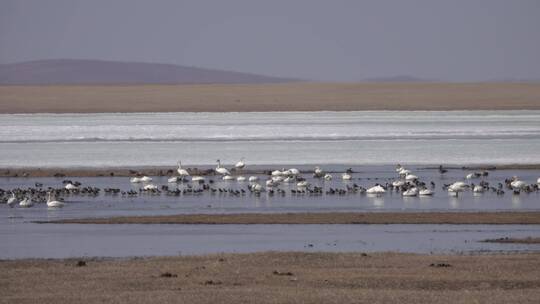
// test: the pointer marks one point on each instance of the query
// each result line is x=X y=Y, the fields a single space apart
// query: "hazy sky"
x=456 y=40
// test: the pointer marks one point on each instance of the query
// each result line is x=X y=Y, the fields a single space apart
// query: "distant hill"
x=74 y=71
x=399 y=78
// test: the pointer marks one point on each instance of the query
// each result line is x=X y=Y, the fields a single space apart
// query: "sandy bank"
x=324 y=218
x=270 y=97
x=277 y=277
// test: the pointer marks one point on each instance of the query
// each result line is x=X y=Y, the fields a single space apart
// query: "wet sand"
x=277 y=277
x=201 y=170
x=507 y=240
x=322 y=218
x=270 y=97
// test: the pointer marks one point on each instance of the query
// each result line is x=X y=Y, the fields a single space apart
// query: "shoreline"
x=207 y=170
x=269 y=97
x=271 y=277
x=322 y=218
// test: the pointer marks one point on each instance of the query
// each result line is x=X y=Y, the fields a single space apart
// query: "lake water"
x=276 y=138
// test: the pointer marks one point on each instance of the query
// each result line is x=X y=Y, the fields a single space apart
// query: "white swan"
x=221 y=170
x=135 y=180
x=71 y=186
x=241 y=164
x=410 y=177
x=411 y=192
x=182 y=172
x=26 y=202
x=253 y=178
x=173 y=180
x=457 y=187
x=241 y=179
x=12 y=200
x=302 y=184
x=146 y=179
x=398 y=183
x=277 y=173
x=517 y=184
x=55 y=203
x=478 y=189
x=377 y=189
x=296 y=172
x=538 y=181
x=270 y=183
x=318 y=171
x=227 y=177
x=150 y=187
x=197 y=178
x=288 y=179
x=346 y=176
x=425 y=192
x=327 y=177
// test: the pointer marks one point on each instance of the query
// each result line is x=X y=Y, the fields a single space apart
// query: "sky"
x=332 y=40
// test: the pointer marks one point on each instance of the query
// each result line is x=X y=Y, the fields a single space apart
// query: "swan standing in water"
x=182 y=172
x=12 y=201
x=221 y=170
x=55 y=203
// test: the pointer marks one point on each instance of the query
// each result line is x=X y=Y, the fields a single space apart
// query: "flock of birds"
x=406 y=183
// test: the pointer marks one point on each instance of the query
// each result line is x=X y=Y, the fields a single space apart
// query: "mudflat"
x=276 y=277
x=269 y=97
x=495 y=218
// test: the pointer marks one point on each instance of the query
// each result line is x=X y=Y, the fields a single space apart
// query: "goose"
x=253 y=178
x=12 y=200
x=221 y=170
x=227 y=177
x=377 y=189
x=346 y=176
x=425 y=192
x=182 y=172
x=411 y=192
x=241 y=164
x=26 y=202
x=327 y=177
x=55 y=203
x=71 y=186
x=241 y=179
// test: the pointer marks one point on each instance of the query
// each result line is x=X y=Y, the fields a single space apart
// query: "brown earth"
x=276 y=277
x=532 y=218
x=269 y=97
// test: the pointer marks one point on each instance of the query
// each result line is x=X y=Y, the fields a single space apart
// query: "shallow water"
x=367 y=137
x=63 y=241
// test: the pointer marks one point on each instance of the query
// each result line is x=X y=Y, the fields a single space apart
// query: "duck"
x=54 y=203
